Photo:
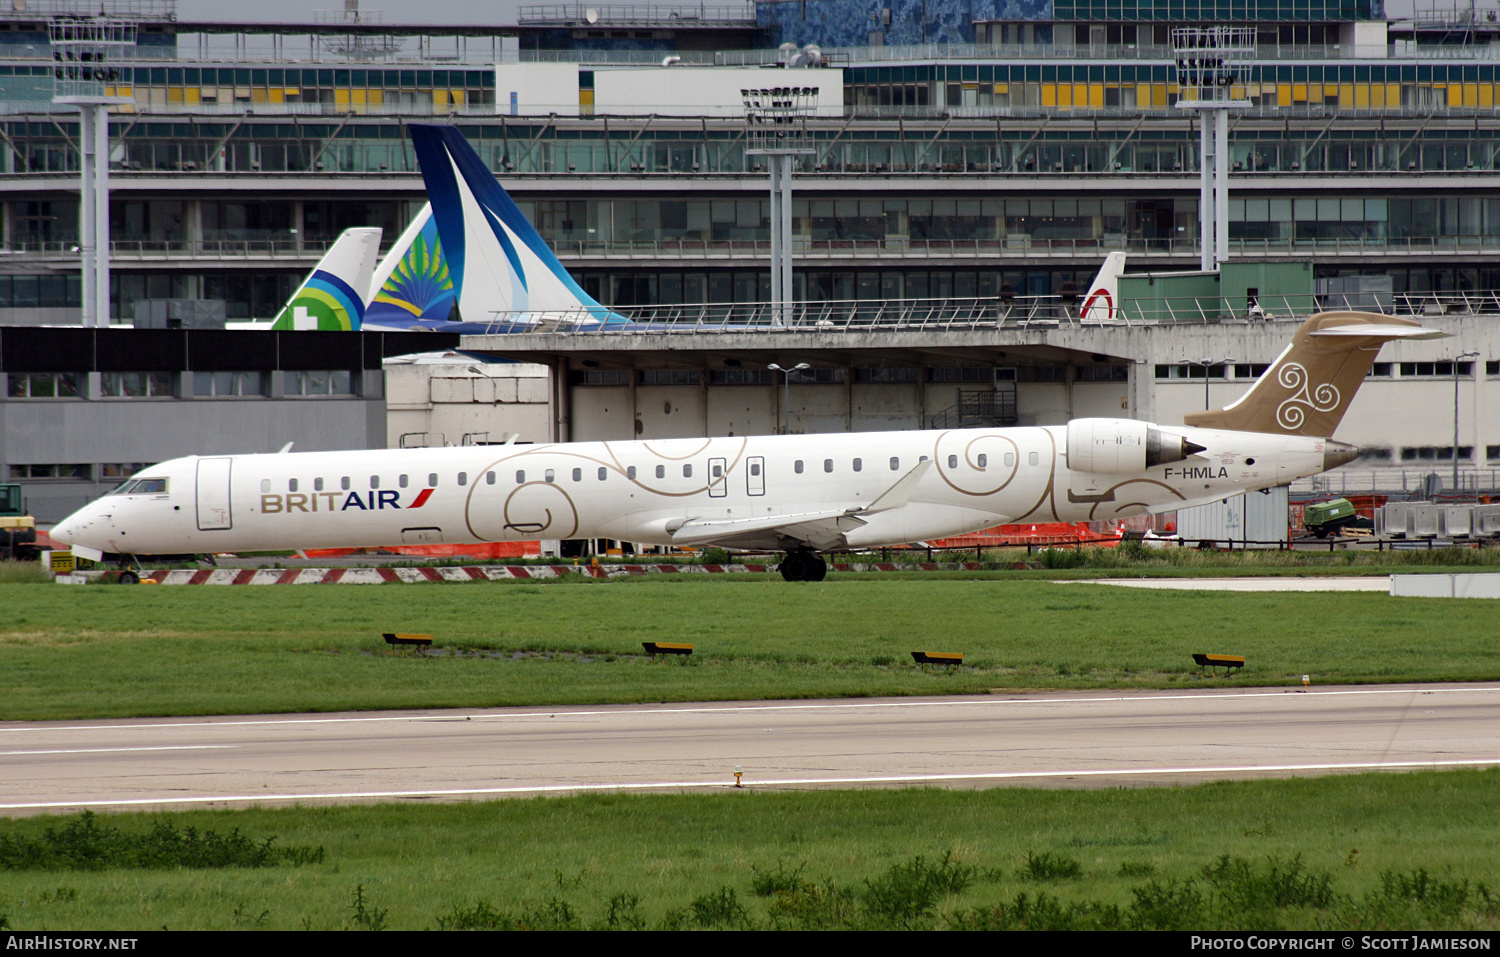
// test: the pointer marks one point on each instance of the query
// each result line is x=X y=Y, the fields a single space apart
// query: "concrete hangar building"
x=974 y=149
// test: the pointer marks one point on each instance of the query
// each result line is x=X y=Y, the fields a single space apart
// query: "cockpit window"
x=124 y=488
x=149 y=486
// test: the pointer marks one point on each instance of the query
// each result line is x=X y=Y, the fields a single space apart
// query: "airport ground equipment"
x=17 y=526
x=397 y=639
x=1327 y=518
x=1227 y=662
x=937 y=657
x=666 y=648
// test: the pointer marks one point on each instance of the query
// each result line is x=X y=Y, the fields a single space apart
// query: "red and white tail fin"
x=1102 y=304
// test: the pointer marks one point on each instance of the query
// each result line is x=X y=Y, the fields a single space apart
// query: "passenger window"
x=578 y=475
x=630 y=473
x=291 y=485
x=661 y=471
x=1010 y=460
x=265 y=485
x=828 y=465
x=984 y=460
x=432 y=480
x=858 y=465
x=718 y=471
x=401 y=481
x=953 y=461
x=550 y=475
x=1031 y=458
x=687 y=471
x=317 y=485
x=797 y=467
x=463 y=478
x=921 y=459
x=489 y=478
x=603 y=473
x=520 y=476
x=374 y=481
x=755 y=468
x=895 y=463
x=344 y=483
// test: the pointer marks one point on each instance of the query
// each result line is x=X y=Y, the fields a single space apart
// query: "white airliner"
x=801 y=494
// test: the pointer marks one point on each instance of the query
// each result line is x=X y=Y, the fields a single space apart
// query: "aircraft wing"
x=823 y=529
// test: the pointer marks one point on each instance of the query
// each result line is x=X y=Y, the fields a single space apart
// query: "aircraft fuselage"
x=748 y=492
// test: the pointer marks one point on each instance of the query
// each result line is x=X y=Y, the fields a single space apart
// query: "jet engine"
x=1123 y=445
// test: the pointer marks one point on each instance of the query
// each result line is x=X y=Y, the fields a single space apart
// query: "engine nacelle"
x=1122 y=445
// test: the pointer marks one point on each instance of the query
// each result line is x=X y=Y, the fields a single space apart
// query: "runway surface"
x=1380 y=583
x=1046 y=739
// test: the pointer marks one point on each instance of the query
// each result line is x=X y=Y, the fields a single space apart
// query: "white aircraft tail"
x=332 y=298
x=499 y=267
x=1102 y=304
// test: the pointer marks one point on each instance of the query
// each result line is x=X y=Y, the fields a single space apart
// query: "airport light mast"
x=1213 y=73
x=86 y=51
x=776 y=128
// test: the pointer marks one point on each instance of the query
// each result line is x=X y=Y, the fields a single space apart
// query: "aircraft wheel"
x=129 y=578
x=794 y=567
x=817 y=568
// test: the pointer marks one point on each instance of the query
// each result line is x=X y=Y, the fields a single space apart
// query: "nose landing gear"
x=803 y=565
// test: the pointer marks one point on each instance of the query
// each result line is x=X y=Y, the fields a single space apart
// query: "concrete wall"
x=100 y=431
x=437 y=404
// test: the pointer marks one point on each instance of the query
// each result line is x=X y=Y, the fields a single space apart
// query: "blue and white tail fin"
x=500 y=268
x=332 y=298
x=1102 y=304
x=412 y=288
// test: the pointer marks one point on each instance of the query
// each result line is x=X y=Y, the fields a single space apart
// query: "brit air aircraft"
x=804 y=495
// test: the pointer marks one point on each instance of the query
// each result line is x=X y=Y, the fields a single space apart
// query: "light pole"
x=1456 y=359
x=786 y=389
x=1208 y=364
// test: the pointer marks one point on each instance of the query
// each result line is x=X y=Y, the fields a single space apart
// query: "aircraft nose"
x=1338 y=453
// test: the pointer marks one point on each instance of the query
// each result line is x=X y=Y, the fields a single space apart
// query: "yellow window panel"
x=1049 y=94
x=1002 y=88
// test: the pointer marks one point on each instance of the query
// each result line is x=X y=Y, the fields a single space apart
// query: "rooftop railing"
x=883 y=251
x=857 y=316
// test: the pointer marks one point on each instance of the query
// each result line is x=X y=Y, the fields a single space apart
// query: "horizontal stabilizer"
x=1310 y=385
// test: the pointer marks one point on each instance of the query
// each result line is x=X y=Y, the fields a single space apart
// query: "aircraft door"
x=718 y=482
x=755 y=475
x=213 y=495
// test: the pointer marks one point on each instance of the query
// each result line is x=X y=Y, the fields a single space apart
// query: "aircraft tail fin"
x=412 y=285
x=498 y=264
x=1310 y=385
x=333 y=296
x=1102 y=304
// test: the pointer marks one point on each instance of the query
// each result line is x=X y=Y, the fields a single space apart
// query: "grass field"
x=115 y=651
x=1362 y=851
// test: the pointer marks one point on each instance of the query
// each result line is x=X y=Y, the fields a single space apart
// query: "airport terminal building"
x=958 y=150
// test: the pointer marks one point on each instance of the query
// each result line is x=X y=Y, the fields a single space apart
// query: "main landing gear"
x=802 y=565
